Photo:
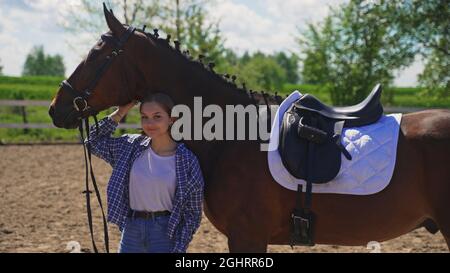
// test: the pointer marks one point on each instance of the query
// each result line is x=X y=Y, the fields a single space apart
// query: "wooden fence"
x=26 y=125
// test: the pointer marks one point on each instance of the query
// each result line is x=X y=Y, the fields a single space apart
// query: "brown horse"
x=242 y=200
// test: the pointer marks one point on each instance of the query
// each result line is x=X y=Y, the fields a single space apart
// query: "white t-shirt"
x=152 y=182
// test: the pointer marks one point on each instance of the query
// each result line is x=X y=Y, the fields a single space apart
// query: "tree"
x=184 y=20
x=355 y=48
x=290 y=65
x=435 y=76
x=427 y=24
x=87 y=16
x=316 y=43
x=1 y=68
x=259 y=72
x=38 y=63
x=266 y=72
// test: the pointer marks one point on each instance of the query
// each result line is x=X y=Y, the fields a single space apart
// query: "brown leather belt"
x=148 y=214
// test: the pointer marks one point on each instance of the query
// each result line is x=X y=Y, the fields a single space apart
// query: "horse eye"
x=99 y=44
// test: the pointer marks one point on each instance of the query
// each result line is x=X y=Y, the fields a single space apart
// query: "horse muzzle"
x=64 y=119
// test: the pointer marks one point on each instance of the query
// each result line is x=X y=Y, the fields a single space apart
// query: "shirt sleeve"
x=101 y=142
x=192 y=211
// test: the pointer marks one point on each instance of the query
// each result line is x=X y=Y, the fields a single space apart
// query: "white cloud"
x=298 y=12
x=244 y=29
x=13 y=45
x=273 y=28
x=252 y=25
x=27 y=23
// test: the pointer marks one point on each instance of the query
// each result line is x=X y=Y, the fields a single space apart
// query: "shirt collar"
x=146 y=141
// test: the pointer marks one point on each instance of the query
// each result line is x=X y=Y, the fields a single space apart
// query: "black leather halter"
x=84 y=111
x=80 y=101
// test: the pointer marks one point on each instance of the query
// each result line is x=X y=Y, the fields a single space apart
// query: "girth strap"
x=310 y=169
x=302 y=216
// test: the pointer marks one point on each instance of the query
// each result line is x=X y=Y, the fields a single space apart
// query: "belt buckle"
x=149 y=215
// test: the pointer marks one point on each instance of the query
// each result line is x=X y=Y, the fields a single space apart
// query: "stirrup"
x=302 y=228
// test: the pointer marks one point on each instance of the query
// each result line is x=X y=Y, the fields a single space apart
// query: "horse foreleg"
x=447 y=239
x=442 y=219
x=444 y=227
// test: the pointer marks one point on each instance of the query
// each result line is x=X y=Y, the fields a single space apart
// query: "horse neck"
x=183 y=81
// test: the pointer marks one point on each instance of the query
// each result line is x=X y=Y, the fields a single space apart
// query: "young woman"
x=155 y=192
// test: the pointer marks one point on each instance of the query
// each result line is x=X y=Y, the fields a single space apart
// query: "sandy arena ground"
x=42 y=208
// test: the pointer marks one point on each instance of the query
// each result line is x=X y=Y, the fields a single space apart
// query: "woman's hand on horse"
x=123 y=109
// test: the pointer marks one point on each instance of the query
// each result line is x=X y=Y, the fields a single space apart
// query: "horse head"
x=108 y=76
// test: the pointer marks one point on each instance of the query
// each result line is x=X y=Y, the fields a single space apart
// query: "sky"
x=247 y=25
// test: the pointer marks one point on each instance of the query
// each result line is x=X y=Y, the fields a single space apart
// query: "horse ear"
x=114 y=25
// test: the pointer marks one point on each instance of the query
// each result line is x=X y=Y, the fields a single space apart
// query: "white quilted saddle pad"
x=373 y=149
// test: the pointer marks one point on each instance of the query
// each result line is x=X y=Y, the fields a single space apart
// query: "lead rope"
x=88 y=160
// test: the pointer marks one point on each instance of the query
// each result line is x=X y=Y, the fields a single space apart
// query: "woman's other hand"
x=118 y=115
x=123 y=110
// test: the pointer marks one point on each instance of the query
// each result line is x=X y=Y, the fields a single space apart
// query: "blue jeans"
x=146 y=236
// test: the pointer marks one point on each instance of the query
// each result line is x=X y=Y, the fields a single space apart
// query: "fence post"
x=24 y=118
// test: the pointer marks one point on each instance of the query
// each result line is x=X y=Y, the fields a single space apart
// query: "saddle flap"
x=294 y=149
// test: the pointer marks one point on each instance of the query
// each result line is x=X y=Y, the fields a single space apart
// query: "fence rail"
x=24 y=103
x=51 y=126
x=26 y=125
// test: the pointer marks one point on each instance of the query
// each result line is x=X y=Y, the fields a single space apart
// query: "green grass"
x=26 y=91
x=34 y=88
x=39 y=80
x=403 y=96
x=44 y=88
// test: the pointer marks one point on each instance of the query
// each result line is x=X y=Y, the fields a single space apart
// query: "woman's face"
x=155 y=120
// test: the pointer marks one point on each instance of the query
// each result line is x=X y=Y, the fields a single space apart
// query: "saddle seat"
x=366 y=112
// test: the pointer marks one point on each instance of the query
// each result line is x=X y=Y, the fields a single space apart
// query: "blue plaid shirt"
x=121 y=152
